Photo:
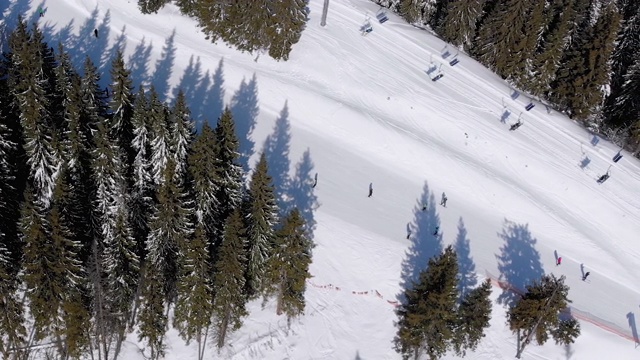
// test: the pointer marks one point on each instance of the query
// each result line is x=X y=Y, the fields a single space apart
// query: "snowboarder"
x=435 y=233
x=584 y=277
x=315 y=181
x=370 y=189
x=41 y=11
x=106 y=90
x=559 y=261
x=424 y=206
x=95 y=32
x=443 y=202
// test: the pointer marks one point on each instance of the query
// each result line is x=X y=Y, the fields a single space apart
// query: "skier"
x=559 y=261
x=435 y=233
x=95 y=32
x=443 y=202
x=584 y=277
x=41 y=11
x=424 y=206
x=370 y=189
x=315 y=181
x=106 y=90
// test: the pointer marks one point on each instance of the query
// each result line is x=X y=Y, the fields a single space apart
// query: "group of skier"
x=585 y=275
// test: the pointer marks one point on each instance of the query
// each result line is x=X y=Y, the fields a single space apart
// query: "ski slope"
x=366 y=110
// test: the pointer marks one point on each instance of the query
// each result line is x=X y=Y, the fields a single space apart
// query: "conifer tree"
x=626 y=109
x=291 y=18
x=143 y=187
x=474 y=314
x=427 y=316
x=627 y=49
x=204 y=172
x=288 y=265
x=411 y=10
x=459 y=25
x=193 y=310
x=542 y=68
x=261 y=218
x=121 y=109
x=509 y=35
x=159 y=136
x=28 y=84
x=12 y=317
x=71 y=319
x=94 y=106
x=181 y=133
x=170 y=226
x=152 y=320
x=228 y=279
x=151 y=6
x=228 y=183
x=537 y=314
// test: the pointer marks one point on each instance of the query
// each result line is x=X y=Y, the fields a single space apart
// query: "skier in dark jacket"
x=95 y=32
x=443 y=202
x=370 y=189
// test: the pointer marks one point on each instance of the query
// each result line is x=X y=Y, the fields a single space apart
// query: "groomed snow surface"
x=367 y=111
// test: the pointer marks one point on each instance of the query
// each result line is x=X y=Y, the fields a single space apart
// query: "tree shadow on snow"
x=518 y=262
x=244 y=106
x=424 y=244
x=276 y=150
x=138 y=63
x=164 y=67
x=10 y=13
x=466 y=267
x=631 y=318
x=301 y=192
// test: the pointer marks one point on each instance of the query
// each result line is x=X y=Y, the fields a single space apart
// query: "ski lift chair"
x=366 y=28
x=382 y=17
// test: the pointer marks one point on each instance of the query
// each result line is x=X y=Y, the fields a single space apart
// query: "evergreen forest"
x=116 y=216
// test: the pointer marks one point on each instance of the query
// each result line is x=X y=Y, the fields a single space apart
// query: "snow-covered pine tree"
x=261 y=217
x=181 y=130
x=28 y=84
x=121 y=107
x=204 y=173
x=193 y=310
x=460 y=21
x=170 y=226
x=288 y=266
x=228 y=183
x=71 y=319
x=143 y=187
x=229 y=279
x=94 y=107
x=118 y=259
x=12 y=321
x=159 y=136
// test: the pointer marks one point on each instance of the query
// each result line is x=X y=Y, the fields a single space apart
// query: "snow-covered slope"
x=367 y=111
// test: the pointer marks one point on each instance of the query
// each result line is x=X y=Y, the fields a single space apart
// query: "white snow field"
x=367 y=111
